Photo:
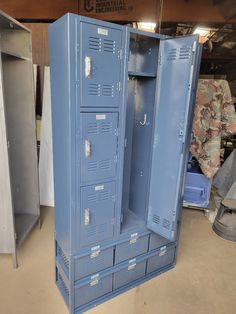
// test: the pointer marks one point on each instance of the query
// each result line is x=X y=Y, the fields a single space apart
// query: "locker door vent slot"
x=108 y=90
x=172 y=54
x=92 y=231
x=63 y=257
x=92 y=166
x=93 y=128
x=185 y=52
x=105 y=164
x=166 y=224
x=109 y=45
x=92 y=198
x=156 y=219
x=62 y=285
x=94 y=89
x=94 y=43
x=104 y=196
x=106 y=127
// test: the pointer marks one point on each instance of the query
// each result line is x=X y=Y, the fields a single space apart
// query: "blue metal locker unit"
x=122 y=107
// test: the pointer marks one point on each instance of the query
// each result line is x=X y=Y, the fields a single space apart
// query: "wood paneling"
x=40 y=55
x=43 y=9
x=121 y=10
x=173 y=10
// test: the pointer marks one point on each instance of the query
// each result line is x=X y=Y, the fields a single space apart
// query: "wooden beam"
x=197 y=11
x=227 y=8
x=43 y=9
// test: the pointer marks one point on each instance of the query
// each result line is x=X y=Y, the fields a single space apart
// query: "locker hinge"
x=194 y=46
x=173 y=226
x=133 y=238
x=115 y=159
x=94 y=280
x=117 y=132
x=132 y=264
x=155 y=141
x=120 y=54
x=95 y=251
x=160 y=59
x=119 y=86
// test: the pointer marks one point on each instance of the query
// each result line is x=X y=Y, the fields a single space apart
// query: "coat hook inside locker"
x=144 y=122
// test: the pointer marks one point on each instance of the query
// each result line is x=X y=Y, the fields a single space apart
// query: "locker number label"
x=99 y=187
x=103 y=31
x=100 y=116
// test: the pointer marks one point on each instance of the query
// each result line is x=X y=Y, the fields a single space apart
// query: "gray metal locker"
x=122 y=107
x=19 y=191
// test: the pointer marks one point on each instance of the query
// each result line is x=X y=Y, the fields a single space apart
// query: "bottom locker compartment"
x=164 y=257
x=134 y=247
x=96 y=261
x=157 y=241
x=89 y=290
x=132 y=272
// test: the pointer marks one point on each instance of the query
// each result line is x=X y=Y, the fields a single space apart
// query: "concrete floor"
x=202 y=282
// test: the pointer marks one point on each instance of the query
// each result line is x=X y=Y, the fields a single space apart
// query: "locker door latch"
x=163 y=251
x=87 y=148
x=87 y=216
x=132 y=264
x=95 y=251
x=133 y=238
x=94 y=280
x=88 y=66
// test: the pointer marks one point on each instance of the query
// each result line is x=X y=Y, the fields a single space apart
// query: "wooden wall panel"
x=40 y=55
x=123 y=10
x=43 y=9
x=120 y=10
x=136 y=10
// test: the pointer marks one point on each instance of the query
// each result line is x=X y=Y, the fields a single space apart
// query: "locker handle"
x=87 y=216
x=88 y=66
x=87 y=148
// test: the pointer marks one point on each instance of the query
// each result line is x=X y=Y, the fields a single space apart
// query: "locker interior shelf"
x=142 y=74
x=143 y=55
x=23 y=225
x=130 y=220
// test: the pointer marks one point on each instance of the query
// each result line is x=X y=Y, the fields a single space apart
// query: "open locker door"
x=178 y=61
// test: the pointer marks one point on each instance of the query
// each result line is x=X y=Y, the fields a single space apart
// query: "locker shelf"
x=24 y=224
x=142 y=74
x=130 y=220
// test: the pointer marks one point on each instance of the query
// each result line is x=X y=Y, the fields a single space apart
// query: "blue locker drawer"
x=96 y=261
x=164 y=258
x=98 y=149
x=197 y=190
x=134 y=247
x=97 y=213
x=157 y=241
x=130 y=273
x=96 y=287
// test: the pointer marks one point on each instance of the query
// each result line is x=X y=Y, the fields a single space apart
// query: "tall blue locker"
x=122 y=107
